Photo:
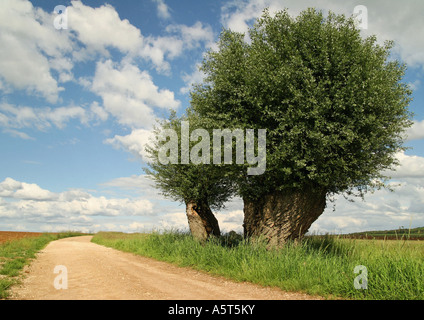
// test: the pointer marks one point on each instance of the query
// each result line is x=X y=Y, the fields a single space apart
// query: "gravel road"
x=96 y=272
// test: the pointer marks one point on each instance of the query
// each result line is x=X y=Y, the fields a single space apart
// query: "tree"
x=201 y=187
x=333 y=104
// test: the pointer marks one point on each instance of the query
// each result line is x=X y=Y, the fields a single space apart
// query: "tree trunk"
x=283 y=215
x=201 y=220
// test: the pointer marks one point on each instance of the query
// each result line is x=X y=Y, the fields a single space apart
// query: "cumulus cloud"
x=173 y=221
x=196 y=77
x=100 y=28
x=411 y=167
x=231 y=220
x=141 y=183
x=129 y=94
x=11 y=188
x=416 y=131
x=193 y=36
x=134 y=143
x=18 y=117
x=22 y=200
x=29 y=44
x=179 y=39
x=162 y=9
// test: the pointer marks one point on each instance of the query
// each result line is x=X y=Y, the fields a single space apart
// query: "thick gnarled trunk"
x=201 y=220
x=282 y=216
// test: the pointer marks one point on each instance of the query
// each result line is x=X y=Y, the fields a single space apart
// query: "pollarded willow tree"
x=183 y=177
x=333 y=104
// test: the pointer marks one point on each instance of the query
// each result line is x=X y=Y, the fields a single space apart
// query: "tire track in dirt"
x=101 y=273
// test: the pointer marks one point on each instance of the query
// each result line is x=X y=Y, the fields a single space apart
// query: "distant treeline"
x=396 y=234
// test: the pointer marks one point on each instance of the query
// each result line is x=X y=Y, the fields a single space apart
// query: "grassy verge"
x=319 y=265
x=15 y=254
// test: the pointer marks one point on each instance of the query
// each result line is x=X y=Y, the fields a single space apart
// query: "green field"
x=319 y=265
x=15 y=254
x=397 y=234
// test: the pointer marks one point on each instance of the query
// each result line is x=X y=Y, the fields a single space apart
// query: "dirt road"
x=97 y=272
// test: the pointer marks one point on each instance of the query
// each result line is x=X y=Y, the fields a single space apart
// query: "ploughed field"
x=14 y=235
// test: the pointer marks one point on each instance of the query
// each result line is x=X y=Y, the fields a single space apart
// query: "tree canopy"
x=333 y=103
x=185 y=182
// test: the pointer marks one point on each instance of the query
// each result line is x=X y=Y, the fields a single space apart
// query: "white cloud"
x=98 y=111
x=139 y=186
x=196 y=77
x=415 y=85
x=181 y=38
x=100 y=28
x=31 y=46
x=137 y=227
x=18 y=134
x=416 y=131
x=141 y=183
x=134 y=143
x=20 y=190
x=410 y=167
x=129 y=94
x=193 y=36
x=163 y=9
x=27 y=200
x=173 y=221
x=64 y=66
x=41 y=118
x=29 y=41
x=59 y=116
x=338 y=223
x=231 y=221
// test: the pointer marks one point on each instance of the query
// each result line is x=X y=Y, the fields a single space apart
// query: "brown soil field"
x=13 y=235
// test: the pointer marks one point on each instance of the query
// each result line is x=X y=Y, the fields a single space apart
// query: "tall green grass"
x=15 y=254
x=318 y=265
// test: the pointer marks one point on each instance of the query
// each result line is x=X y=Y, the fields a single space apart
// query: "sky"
x=81 y=89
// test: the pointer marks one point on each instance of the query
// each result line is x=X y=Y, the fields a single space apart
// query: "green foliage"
x=202 y=183
x=333 y=103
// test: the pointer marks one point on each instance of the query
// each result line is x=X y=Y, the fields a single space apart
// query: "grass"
x=319 y=265
x=15 y=254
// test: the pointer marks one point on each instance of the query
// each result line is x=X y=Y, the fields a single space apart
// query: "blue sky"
x=77 y=106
